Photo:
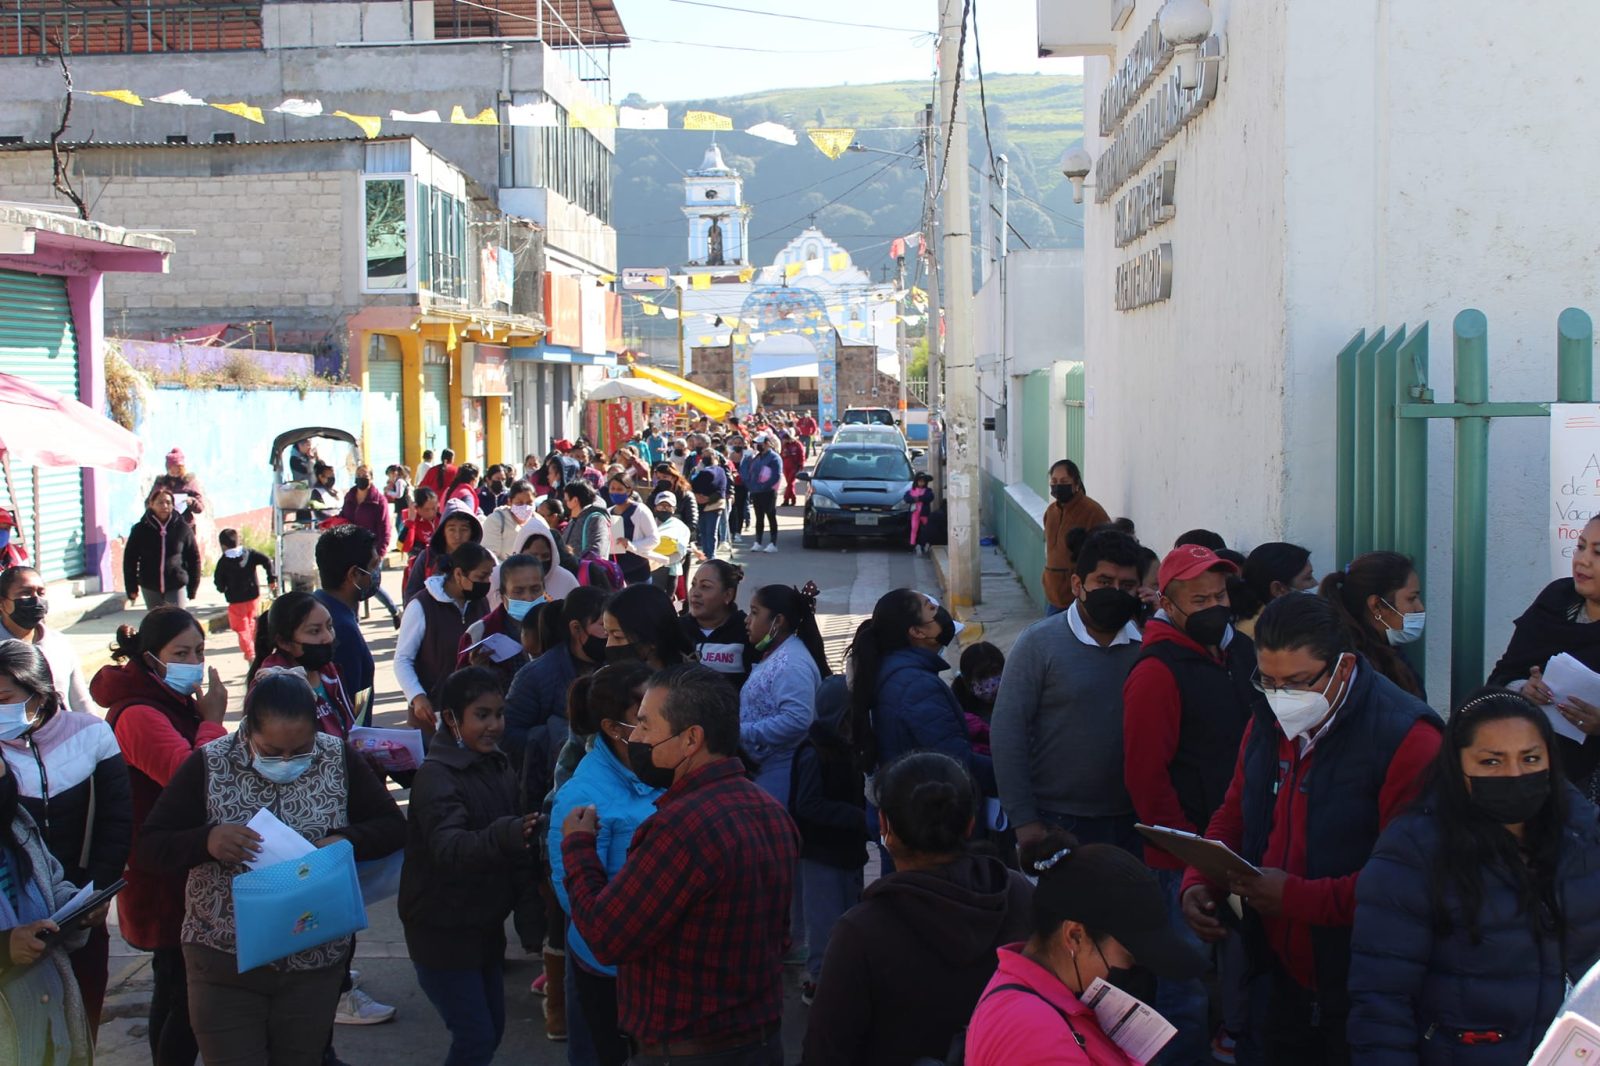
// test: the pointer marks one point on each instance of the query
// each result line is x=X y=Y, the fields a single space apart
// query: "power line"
x=830 y=203
x=955 y=98
x=799 y=18
x=983 y=99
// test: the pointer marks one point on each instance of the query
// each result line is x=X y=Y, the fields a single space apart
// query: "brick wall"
x=860 y=383
x=713 y=369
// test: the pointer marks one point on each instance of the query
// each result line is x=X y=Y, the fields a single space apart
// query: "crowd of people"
x=664 y=785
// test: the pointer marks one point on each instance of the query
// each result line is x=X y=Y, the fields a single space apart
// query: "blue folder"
x=296 y=905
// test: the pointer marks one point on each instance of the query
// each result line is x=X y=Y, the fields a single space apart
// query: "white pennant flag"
x=180 y=97
x=642 y=118
x=539 y=114
x=669 y=312
x=774 y=131
x=413 y=116
x=300 y=108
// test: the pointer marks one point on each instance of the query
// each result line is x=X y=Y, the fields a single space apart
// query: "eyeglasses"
x=1295 y=686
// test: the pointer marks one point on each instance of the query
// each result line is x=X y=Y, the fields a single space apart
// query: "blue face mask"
x=618 y=497
x=519 y=609
x=185 y=678
x=5 y=537
x=282 y=771
x=14 y=720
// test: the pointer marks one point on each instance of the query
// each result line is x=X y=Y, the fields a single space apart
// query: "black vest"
x=1343 y=786
x=1218 y=700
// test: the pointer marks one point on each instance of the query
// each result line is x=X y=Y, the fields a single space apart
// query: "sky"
x=695 y=49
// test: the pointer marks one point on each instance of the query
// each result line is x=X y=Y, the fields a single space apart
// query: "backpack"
x=957 y=1055
x=609 y=576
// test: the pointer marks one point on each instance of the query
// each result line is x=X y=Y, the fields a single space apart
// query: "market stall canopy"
x=632 y=389
x=40 y=427
x=704 y=400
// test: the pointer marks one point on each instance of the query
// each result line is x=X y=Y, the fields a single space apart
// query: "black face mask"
x=1063 y=493
x=375 y=578
x=315 y=656
x=947 y=626
x=362 y=483
x=641 y=760
x=594 y=649
x=1109 y=609
x=1207 y=628
x=28 y=611
x=623 y=653
x=1511 y=800
x=476 y=591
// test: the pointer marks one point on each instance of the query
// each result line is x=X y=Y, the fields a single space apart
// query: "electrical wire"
x=983 y=99
x=823 y=207
x=798 y=18
x=955 y=98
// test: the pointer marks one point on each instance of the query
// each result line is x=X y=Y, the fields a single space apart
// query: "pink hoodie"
x=1016 y=1028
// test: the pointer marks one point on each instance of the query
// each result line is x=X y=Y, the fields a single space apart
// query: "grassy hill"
x=862 y=199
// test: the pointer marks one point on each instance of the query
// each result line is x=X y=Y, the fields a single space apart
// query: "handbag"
x=293 y=906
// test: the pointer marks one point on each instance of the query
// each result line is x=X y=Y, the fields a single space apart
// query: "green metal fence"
x=1075 y=412
x=1383 y=405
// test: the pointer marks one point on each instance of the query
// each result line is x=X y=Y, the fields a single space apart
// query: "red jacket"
x=1325 y=900
x=438 y=478
x=336 y=712
x=157 y=730
x=464 y=492
x=794 y=457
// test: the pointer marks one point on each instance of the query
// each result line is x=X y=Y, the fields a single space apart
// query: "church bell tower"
x=718 y=216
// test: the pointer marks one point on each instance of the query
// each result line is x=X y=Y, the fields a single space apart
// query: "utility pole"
x=932 y=321
x=960 y=375
x=900 y=340
x=681 y=350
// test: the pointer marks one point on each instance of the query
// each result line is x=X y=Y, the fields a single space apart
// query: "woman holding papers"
x=1097 y=911
x=71 y=777
x=634 y=535
x=1479 y=906
x=280 y=761
x=296 y=633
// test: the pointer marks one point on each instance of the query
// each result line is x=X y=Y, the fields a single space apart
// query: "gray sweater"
x=1057 y=729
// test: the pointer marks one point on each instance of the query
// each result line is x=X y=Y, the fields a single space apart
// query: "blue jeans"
x=580 y=1045
x=829 y=892
x=473 y=1006
x=710 y=525
x=1111 y=829
x=1183 y=1003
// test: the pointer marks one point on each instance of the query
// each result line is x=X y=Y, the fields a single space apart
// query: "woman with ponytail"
x=904 y=967
x=779 y=702
x=1380 y=597
x=296 y=633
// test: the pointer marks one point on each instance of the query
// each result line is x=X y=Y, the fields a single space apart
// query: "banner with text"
x=1574 y=478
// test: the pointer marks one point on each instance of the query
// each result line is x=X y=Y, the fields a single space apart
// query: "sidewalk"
x=1005 y=609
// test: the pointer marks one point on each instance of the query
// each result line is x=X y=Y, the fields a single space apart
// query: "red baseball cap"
x=1191 y=560
x=563 y=445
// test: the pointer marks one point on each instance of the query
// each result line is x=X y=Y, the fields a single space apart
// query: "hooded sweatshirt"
x=906 y=965
x=430 y=634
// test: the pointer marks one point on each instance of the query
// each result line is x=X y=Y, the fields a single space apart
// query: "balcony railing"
x=102 y=27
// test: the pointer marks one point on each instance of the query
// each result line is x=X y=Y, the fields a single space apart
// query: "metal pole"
x=931 y=327
x=1471 y=506
x=963 y=582
x=681 y=337
x=1574 y=357
x=900 y=340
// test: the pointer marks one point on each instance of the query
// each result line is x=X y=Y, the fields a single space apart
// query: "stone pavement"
x=1005 y=609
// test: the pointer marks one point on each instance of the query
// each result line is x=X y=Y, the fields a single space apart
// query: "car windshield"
x=862 y=416
x=862 y=464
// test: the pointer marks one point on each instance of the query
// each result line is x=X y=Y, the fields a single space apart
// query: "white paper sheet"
x=1130 y=1023
x=1567 y=677
x=74 y=903
x=279 y=843
x=499 y=646
x=398 y=750
x=1572 y=1040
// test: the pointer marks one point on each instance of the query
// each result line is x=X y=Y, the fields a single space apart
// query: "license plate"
x=866 y=519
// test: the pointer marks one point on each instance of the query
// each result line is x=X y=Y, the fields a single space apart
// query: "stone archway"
x=779 y=309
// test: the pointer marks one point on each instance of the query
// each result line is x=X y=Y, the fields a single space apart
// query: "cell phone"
x=75 y=921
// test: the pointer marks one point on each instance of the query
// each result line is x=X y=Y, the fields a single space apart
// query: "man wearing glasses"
x=1340 y=752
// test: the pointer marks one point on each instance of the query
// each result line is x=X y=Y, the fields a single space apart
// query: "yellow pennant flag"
x=124 y=96
x=649 y=309
x=370 y=124
x=740 y=338
x=607 y=279
x=592 y=116
x=458 y=117
x=700 y=281
x=451 y=343
x=832 y=142
x=791 y=270
x=839 y=261
x=808 y=330
x=704 y=341
x=247 y=111
x=707 y=120
x=747 y=273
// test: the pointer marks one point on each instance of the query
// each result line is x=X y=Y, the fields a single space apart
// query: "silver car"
x=858 y=490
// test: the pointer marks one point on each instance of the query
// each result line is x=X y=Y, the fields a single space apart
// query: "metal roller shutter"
x=435 y=405
x=37 y=342
x=383 y=413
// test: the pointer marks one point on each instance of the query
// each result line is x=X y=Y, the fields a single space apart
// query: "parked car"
x=868 y=433
x=858 y=490
x=868 y=416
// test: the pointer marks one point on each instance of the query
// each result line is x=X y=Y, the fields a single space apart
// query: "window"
x=390 y=252
x=10 y=140
x=222 y=138
x=177 y=138
x=442 y=243
x=570 y=162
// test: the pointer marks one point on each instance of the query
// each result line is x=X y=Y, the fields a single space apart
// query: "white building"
x=1339 y=166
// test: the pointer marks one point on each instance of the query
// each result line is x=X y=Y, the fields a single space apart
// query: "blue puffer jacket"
x=915 y=710
x=1413 y=992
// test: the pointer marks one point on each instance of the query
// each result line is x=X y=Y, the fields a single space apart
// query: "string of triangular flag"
x=831 y=141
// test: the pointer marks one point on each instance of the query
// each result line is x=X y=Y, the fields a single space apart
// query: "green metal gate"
x=435 y=407
x=1075 y=413
x=38 y=344
x=383 y=413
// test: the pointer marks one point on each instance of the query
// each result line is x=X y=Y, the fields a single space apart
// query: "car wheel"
x=808 y=539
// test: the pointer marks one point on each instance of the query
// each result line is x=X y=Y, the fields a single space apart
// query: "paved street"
x=851 y=579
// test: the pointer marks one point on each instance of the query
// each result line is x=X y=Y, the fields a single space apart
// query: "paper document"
x=1567 y=677
x=85 y=893
x=1211 y=857
x=396 y=750
x=1130 y=1023
x=279 y=843
x=1572 y=1040
x=180 y=502
x=499 y=646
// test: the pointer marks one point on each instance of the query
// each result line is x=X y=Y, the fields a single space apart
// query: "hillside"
x=862 y=199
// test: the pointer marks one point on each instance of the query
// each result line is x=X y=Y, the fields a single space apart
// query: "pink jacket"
x=1015 y=1028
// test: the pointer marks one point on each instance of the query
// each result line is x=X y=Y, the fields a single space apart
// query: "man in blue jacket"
x=764 y=476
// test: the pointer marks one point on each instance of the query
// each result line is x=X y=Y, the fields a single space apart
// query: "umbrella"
x=44 y=428
x=632 y=389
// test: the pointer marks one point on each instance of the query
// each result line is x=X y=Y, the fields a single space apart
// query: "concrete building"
x=393 y=65
x=1334 y=167
x=52 y=333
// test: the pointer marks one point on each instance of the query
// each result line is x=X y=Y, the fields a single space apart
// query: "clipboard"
x=1211 y=857
x=70 y=922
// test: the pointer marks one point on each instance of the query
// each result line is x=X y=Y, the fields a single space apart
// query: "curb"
x=972 y=632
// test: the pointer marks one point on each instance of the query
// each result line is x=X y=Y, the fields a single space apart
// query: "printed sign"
x=1574 y=478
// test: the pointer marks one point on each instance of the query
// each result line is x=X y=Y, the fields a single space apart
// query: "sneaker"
x=537 y=988
x=736 y=540
x=770 y=548
x=808 y=991
x=358 y=1008
x=1223 y=1046
x=355 y=978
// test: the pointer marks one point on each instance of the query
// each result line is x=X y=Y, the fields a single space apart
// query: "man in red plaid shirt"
x=697 y=920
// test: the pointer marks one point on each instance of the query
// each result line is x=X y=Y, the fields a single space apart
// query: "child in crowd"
x=976 y=687
x=920 y=497
x=467 y=864
x=235 y=578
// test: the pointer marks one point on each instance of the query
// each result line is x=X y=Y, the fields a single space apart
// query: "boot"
x=555 y=994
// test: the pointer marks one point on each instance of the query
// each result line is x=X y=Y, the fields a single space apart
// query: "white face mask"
x=1410 y=629
x=521 y=511
x=1300 y=712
